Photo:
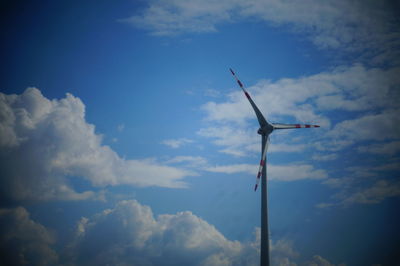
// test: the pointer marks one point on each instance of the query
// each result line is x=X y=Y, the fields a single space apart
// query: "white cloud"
x=352 y=25
x=320 y=261
x=304 y=98
x=295 y=172
x=378 y=192
x=175 y=17
x=236 y=141
x=176 y=143
x=233 y=169
x=121 y=127
x=23 y=241
x=133 y=236
x=363 y=185
x=310 y=100
x=129 y=234
x=275 y=172
x=45 y=141
x=335 y=24
x=285 y=147
x=212 y=93
x=325 y=157
x=283 y=252
x=389 y=148
x=190 y=161
x=382 y=126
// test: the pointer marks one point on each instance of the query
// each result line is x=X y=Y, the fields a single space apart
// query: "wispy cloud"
x=373 y=194
x=312 y=99
x=389 y=148
x=176 y=143
x=286 y=173
x=349 y=25
x=382 y=126
x=121 y=127
x=364 y=185
x=379 y=191
x=325 y=157
x=306 y=98
x=188 y=161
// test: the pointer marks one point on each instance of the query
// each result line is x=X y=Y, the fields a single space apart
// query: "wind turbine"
x=265 y=130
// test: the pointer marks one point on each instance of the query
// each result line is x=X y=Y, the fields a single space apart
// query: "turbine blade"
x=289 y=126
x=262 y=163
x=260 y=117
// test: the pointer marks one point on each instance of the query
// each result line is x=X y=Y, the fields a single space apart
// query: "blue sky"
x=126 y=141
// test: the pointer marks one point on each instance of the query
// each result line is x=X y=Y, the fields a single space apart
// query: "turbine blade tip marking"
x=255 y=187
x=233 y=73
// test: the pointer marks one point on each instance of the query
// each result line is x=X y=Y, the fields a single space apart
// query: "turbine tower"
x=265 y=130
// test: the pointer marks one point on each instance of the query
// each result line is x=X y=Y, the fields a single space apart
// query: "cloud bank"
x=129 y=234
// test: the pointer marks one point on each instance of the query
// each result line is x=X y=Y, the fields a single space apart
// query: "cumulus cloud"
x=129 y=234
x=23 y=241
x=320 y=261
x=45 y=142
x=275 y=172
x=283 y=252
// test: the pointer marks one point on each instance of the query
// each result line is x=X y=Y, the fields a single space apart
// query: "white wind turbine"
x=265 y=130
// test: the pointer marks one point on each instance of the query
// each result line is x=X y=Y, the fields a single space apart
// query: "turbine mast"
x=264 y=256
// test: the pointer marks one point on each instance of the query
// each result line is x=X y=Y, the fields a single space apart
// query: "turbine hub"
x=265 y=130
